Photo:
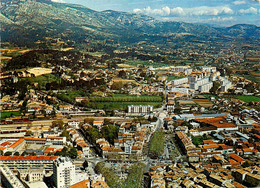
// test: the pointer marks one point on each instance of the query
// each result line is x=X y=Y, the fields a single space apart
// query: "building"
x=63 y=172
x=209 y=69
x=8 y=179
x=195 y=85
x=16 y=163
x=180 y=81
x=140 y=109
x=205 y=87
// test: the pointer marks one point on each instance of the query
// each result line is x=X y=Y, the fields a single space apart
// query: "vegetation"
x=248 y=98
x=70 y=95
x=156 y=147
x=134 y=178
x=172 y=77
x=198 y=140
x=121 y=105
x=215 y=87
x=112 y=179
x=109 y=132
x=58 y=123
x=129 y=98
x=4 y=115
x=68 y=152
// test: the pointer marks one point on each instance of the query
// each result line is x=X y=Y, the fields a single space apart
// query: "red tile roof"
x=218 y=122
x=6 y=143
x=17 y=143
x=29 y=158
x=236 y=157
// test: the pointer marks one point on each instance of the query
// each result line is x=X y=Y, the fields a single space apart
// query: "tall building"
x=16 y=163
x=180 y=81
x=205 y=87
x=140 y=109
x=63 y=172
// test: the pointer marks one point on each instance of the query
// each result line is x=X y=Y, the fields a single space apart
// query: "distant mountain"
x=26 y=21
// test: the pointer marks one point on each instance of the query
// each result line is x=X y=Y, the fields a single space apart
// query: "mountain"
x=26 y=21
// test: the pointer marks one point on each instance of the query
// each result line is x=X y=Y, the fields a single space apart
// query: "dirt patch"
x=37 y=71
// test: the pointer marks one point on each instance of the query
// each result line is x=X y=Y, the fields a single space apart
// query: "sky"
x=213 y=12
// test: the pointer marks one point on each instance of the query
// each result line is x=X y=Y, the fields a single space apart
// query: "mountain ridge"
x=51 y=18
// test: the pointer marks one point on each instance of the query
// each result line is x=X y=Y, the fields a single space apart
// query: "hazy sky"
x=217 y=12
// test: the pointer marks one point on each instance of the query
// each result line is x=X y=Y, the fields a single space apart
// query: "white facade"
x=180 y=81
x=198 y=83
x=140 y=109
x=180 y=90
x=75 y=124
x=63 y=172
x=209 y=69
x=226 y=85
x=205 y=87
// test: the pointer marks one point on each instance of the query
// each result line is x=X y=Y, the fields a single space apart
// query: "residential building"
x=140 y=109
x=63 y=172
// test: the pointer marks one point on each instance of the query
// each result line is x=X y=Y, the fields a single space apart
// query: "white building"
x=180 y=90
x=198 y=83
x=209 y=69
x=74 y=124
x=180 y=81
x=225 y=85
x=205 y=87
x=63 y=172
x=140 y=109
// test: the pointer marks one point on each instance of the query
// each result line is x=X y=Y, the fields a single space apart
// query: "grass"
x=172 y=77
x=9 y=114
x=127 y=98
x=198 y=140
x=135 y=176
x=123 y=105
x=70 y=95
x=248 y=98
x=156 y=147
x=43 y=79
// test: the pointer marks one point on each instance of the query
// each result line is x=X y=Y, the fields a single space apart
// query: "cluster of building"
x=45 y=171
x=204 y=175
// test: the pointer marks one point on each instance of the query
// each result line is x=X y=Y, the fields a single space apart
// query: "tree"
x=28 y=132
x=246 y=164
x=109 y=132
x=66 y=134
x=89 y=121
x=8 y=153
x=73 y=153
x=187 y=124
x=58 y=123
x=85 y=164
x=16 y=153
x=215 y=87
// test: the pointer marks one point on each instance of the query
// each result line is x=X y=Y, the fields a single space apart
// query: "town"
x=172 y=126
x=99 y=99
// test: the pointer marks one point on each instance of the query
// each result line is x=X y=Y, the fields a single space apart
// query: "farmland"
x=9 y=114
x=248 y=98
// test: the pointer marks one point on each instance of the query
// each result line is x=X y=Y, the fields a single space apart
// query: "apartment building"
x=63 y=172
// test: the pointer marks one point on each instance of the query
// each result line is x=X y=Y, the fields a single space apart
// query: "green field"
x=172 y=77
x=122 y=105
x=248 y=98
x=69 y=95
x=127 y=98
x=156 y=147
x=198 y=140
x=9 y=114
x=43 y=79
